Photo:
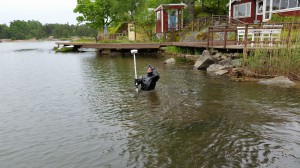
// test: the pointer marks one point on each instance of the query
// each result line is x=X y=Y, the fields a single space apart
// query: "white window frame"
x=235 y=12
x=257 y=2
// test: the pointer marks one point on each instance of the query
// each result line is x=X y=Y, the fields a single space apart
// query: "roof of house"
x=160 y=7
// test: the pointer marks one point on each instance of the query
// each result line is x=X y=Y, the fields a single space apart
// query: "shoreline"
x=29 y=40
x=236 y=72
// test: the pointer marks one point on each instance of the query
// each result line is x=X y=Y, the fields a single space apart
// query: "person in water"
x=148 y=81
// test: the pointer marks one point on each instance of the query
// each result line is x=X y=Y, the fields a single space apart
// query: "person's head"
x=149 y=70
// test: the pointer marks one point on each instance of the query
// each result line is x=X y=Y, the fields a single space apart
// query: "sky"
x=44 y=11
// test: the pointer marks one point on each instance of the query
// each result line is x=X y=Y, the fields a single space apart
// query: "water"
x=79 y=110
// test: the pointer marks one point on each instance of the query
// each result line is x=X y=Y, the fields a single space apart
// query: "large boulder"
x=204 y=61
x=279 y=81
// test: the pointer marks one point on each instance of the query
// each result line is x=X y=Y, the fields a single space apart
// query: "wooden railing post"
x=193 y=26
x=199 y=24
x=208 y=39
x=245 y=51
x=212 y=38
x=289 y=35
x=225 y=36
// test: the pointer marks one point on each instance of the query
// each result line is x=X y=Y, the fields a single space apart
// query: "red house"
x=254 y=11
x=169 y=17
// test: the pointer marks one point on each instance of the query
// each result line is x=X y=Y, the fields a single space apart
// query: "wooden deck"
x=116 y=46
x=230 y=45
x=148 y=46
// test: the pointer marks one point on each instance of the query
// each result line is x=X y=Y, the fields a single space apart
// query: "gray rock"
x=237 y=62
x=217 y=55
x=214 y=68
x=204 y=61
x=226 y=61
x=217 y=69
x=170 y=61
x=221 y=72
x=279 y=81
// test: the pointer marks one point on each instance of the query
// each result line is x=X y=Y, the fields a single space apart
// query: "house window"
x=285 y=4
x=276 y=4
x=260 y=6
x=158 y=15
x=293 y=3
x=242 y=10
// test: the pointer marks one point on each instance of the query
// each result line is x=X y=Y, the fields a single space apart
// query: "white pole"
x=135 y=73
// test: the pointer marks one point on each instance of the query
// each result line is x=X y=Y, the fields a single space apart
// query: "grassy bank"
x=275 y=62
x=284 y=59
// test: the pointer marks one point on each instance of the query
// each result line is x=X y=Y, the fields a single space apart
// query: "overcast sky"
x=44 y=11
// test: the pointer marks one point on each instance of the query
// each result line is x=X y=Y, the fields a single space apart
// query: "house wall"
x=260 y=17
x=290 y=13
x=158 y=23
x=165 y=15
x=162 y=23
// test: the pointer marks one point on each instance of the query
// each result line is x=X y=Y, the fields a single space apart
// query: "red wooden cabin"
x=254 y=11
x=169 y=17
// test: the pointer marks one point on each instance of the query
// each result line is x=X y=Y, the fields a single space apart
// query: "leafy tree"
x=145 y=22
x=4 y=31
x=96 y=13
x=19 y=30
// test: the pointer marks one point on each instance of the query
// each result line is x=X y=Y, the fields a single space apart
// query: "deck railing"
x=202 y=22
x=254 y=35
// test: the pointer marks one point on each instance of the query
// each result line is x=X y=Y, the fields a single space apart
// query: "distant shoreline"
x=29 y=40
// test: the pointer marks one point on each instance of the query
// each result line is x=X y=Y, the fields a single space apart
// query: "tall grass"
x=283 y=59
x=183 y=50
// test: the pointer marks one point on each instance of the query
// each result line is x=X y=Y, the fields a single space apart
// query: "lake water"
x=79 y=110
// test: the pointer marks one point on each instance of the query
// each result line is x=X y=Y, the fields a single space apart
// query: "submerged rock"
x=279 y=81
x=170 y=61
x=217 y=69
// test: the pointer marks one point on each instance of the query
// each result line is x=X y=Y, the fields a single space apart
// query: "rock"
x=214 y=68
x=279 y=81
x=204 y=61
x=217 y=55
x=226 y=61
x=235 y=55
x=221 y=72
x=217 y=69
x=237 y=62
x=170 y=61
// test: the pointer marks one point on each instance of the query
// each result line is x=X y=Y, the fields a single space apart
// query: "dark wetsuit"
x=148 y=81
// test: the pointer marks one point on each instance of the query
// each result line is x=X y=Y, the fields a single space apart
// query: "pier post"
x=225 y=36
x=245 y=50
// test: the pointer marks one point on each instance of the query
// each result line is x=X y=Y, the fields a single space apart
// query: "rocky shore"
x=217 y=63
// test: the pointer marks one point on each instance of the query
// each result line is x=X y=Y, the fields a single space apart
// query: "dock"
x=106 y=48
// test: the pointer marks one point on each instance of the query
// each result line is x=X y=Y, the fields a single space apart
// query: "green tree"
x=145 y=23
x=96 y=13
x=4 y=31
x=19 y=30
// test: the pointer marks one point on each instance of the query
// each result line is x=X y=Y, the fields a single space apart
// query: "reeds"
x=281 y=59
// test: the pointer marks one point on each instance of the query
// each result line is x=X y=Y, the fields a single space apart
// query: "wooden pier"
x=106 y=48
